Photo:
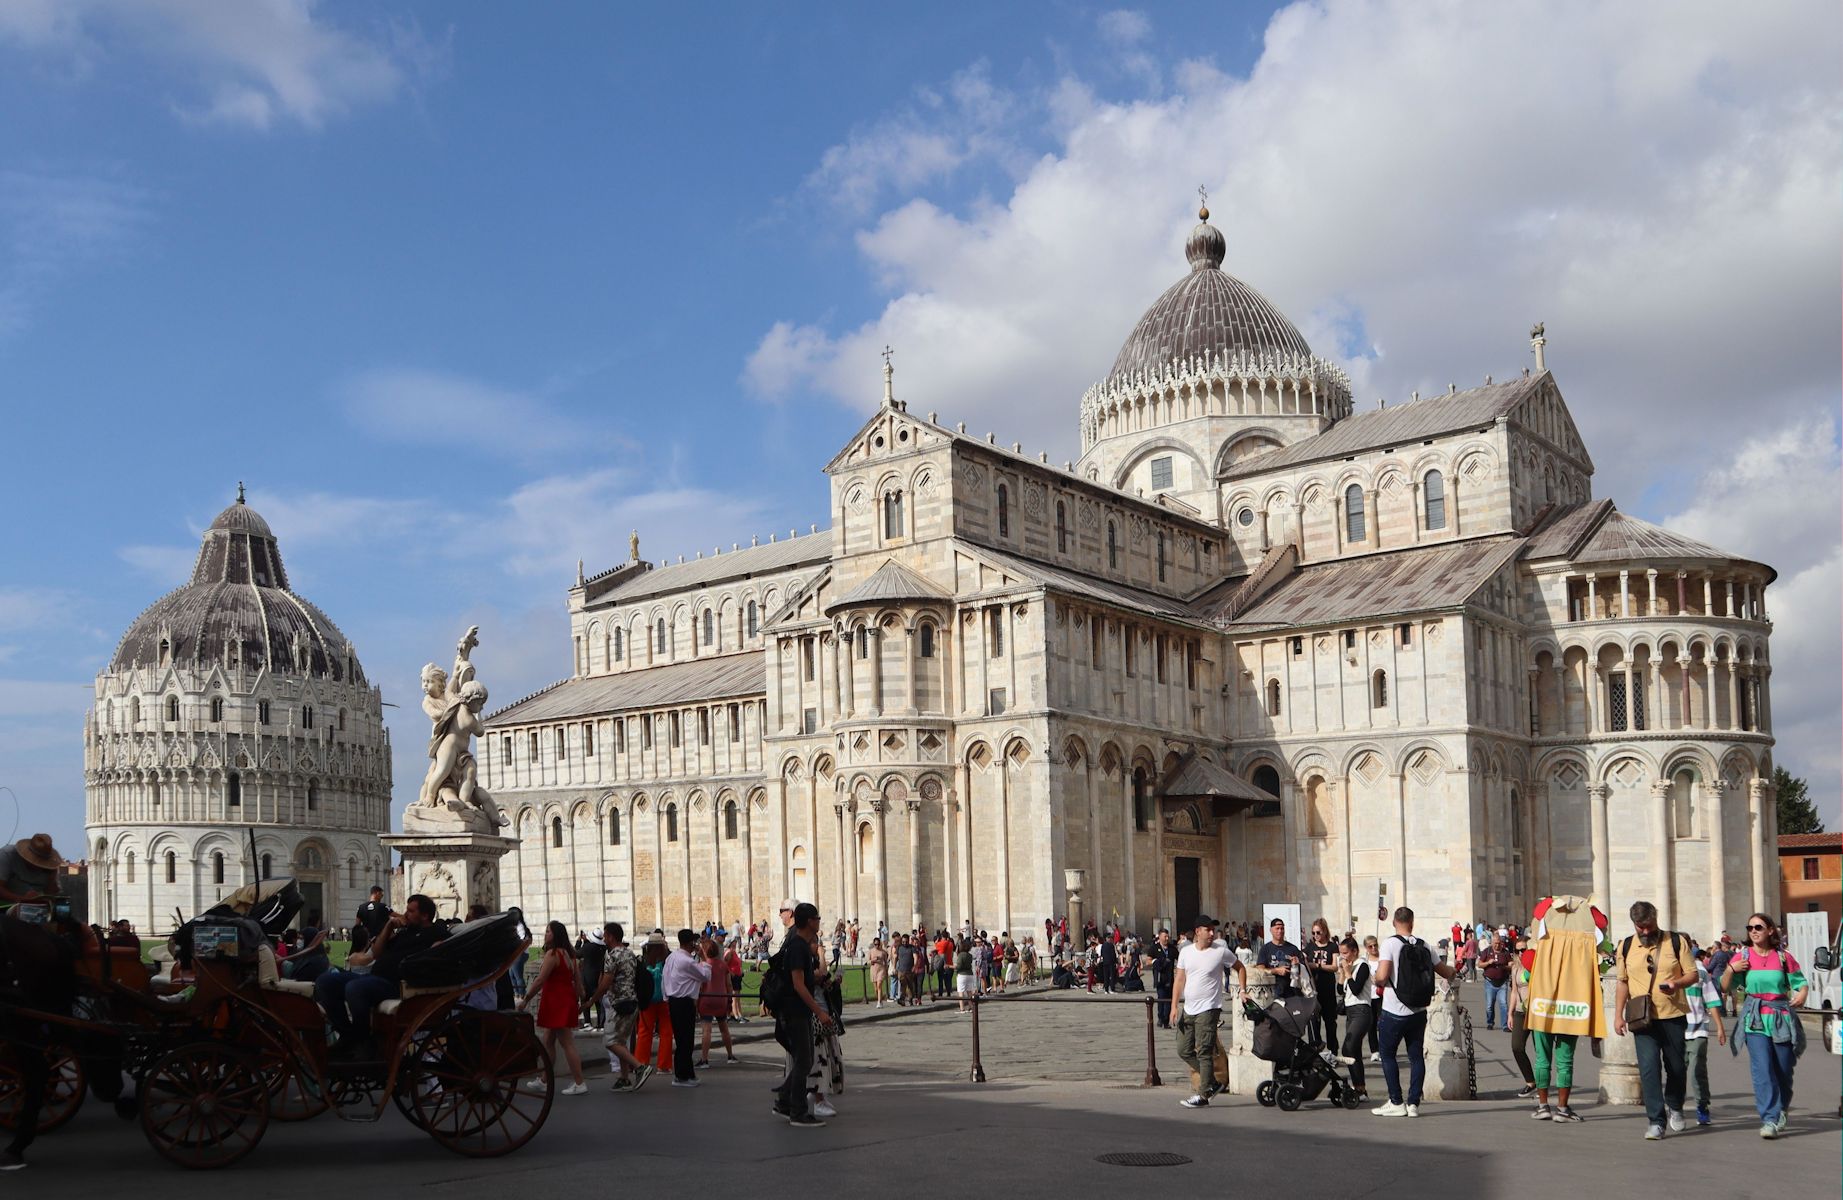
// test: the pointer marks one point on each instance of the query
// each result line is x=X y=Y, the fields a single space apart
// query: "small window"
x=1404 y=633
x=735 y=722
x=620 y=650
x=808 y=658
x=1192 y=654
x=675 y=729
x=1161 y=651
x=531 y=744
x=1129 y=649
x=995 y=702
x=671 y=822
x=614 y=827
x=703 y=727
x=730 y=821
x=1811 y=868
x=1097 y=642
x=505 y=748
x=262 y=712
x=927 y=641
x=1161 y=472
x=1298 y=647
x=1161 y=556
x=1379 y=690
x=172 y=708
x=217 y=867
x=710 y=628
x=351 y=872
x=863 y=641
x=1113 y=547
x=1062 y=528
x=217 y=710
x=172 y=867
x=233 y=790
x=313 y=795
x=809 y=721
x=754 y=628
x=892 y=514
x=1273 y=697
x=342 y=720
x=1142 y=800
x=307 y=716
x=166 y=652
x=129 y=865
x=268 y=866
x=659 y=635
x=1433 y=499
x=646 y=732
x=620 y=737
x=588 y=739
x=995 y=638
x=563 y=748
x=1004 y=511
x=1353 y=514
x=556 y=832
x=1244 y=518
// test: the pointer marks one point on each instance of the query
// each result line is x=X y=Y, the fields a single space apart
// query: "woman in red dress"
x=559 y=1006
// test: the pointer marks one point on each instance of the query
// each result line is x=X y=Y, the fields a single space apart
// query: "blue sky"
x=464 y=292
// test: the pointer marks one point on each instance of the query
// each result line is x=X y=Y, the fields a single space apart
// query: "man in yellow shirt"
x=1659 y=965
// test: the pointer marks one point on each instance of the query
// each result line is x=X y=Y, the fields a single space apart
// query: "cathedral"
x=1253 y=646
x=234 y=737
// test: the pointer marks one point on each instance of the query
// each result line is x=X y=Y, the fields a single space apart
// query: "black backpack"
x=1412 y=978
x=643 y=984
x=775 y=988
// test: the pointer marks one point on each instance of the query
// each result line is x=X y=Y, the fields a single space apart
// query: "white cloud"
x=1656 y=183
x=54 y=223
x=169 y=566
x=252 y=64
x=1124 y=26
x=1777 y=500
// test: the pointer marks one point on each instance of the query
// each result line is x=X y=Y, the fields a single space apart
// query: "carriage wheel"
x=1289 y=1097
x=1265 y=1093
x=295 y=1094
x=63 y=1090
x=205 y=1105
x=468 y=1090
x=412 y=1077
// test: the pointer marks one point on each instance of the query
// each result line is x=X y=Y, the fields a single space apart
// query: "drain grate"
x=1134 y=1158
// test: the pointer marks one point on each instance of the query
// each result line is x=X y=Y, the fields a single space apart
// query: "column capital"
x=1651 y=571
x=1599 y=791
x=1723 y=785
x=914 y=806
x=839 y=807
x=1661 y=788
x=877 y=805
x=1760 y=789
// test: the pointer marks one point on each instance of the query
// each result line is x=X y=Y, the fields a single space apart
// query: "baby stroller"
x=1303 y=1069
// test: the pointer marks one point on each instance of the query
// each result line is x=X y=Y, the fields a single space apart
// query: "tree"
x=1796 y=812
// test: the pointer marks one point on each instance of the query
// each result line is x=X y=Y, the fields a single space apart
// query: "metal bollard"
x=978 y=1072
x=1151 y=1044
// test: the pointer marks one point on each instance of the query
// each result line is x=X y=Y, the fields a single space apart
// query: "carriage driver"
x=348 y=997
x=29 y=870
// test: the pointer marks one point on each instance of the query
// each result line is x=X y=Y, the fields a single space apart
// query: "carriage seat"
x=269 y=976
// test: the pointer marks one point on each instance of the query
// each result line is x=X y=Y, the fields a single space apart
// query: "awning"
x=1197 y=778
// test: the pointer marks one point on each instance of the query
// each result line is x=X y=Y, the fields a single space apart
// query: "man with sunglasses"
x=1659 y=965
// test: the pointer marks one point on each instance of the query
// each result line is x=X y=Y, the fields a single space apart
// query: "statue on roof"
x=451 y=796
x=633 y=546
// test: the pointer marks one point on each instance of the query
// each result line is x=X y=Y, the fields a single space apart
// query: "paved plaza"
x=1063 y=1088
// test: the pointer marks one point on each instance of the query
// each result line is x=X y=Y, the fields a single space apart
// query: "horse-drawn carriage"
x=232 y=1046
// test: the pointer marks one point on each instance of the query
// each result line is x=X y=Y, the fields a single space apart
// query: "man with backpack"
x=1405 y=973
x=627 y=989
x=787 y=992
x=1653 y=967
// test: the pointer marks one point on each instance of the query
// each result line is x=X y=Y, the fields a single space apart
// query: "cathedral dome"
x=1206 y=315
x=238 y=609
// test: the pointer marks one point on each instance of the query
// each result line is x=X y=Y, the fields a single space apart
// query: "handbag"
x=1640 y=1011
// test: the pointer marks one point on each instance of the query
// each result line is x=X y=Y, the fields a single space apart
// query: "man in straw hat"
x=29 y=870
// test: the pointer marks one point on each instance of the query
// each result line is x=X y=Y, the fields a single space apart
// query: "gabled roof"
x=1072 y=583
x=889 y=582
x=1422 y=579
x=808 y=549
x=678 y=683
x=1196 y=776
x=1429 y=417
x=1598 y=532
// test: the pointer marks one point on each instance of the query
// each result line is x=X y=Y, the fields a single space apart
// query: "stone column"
x=1730 y=610
x=1561 y=696
x=881 y=865
x=913 y=807
x=838 y=810
x=1734 y=692
x=1299 y=522
x=1625 y=594
x=876 y=671
x=1660 y=854
x=1763 y=854
x=1602 y=863
x=1004 y=842
x=1414 y=502
x=1651 y=592
x=1452 y=503
x=1619 y=1063
x=1717 y=808
x=1708 y=594
x=846 y=671
x=1593 y=598
x=966 y=841
x=1535 y=701
x=1266 y=533
x=1682 y=576
x=1130 y=909
x=913 y=667
x=1596 y=687
x=748 y=864
x=716 y=857
x=1371 y=530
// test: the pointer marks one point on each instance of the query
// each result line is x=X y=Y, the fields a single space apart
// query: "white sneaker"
x=537 y=1083
x=1654 y=1133
x=1414 y=1110
x=575 y=1089
x=1675 y=1120
x=1391 y=1109
x=1769 y=1131
x=1375 y=1057
x=824 y=1109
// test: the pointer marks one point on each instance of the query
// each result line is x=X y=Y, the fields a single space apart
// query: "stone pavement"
x=1063 y=1088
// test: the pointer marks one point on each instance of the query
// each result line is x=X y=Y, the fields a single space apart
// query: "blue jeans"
x=1396 y=1030
x=348 y=999
x=1771 y=1064
x=1497 y=1004
x=1660 y=1067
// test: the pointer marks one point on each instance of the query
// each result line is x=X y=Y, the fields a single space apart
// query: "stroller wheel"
x=1350 y=1098
x=1265 y=1093
x=1290 y=1097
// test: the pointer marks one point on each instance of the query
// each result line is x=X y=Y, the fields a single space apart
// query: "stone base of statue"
x=456 y=867
x=1246 y=1072
x=1447 y=1049
x=1619 y=1057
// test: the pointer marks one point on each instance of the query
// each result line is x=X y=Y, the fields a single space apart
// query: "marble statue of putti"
x=451 y=793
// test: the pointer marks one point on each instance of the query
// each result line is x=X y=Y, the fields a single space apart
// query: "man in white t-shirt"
x=1403 y=1021
x=1196 y=1006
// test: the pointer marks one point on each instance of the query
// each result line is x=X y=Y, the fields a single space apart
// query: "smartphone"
x=60 y=910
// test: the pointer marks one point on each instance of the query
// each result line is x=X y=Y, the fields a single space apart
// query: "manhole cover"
x=1138 y=1159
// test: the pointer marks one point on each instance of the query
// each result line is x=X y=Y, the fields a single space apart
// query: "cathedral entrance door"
x=1186 y=876
x=312 y=901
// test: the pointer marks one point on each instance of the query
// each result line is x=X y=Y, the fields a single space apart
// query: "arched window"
x=1004 y=511
x=1317 y=807
x=1142 y=800
x=1683 y=800
x=1267 y=779
x=172 y=867
x=166 y=652
x=754 y=627
x=307 y=716
x=233 y=790
x=1433 y=499
x=1353 y=513
x=1273 y=697
x=556 y=833
x=268 y=866
x=927 y=640
x=671 y=822
x=620 y=651
x=154 y=792
x=710 y=627
x=659 y=636
x=1113 y=547
x=729 y=821
x=134 y=710
x=172 y=708
x=128 y=864
x=614 y=827
x=1379 y=690
x=866 y=846
x=1062 y=528
x=351 y=872
x=217 y=867
x=892 y=514
x=342 y=720
x=313 y=795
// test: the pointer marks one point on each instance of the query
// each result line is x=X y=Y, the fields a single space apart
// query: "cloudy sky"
x=465 y=292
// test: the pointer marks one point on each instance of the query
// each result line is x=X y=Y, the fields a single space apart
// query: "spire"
x=1537 y=340
x=889 y=379
x=239 y=491
x=1206 y=246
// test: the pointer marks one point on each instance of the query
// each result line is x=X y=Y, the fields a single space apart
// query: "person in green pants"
x=1554 y=1064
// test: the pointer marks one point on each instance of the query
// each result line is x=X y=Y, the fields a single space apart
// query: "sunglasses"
x=1756 y=929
